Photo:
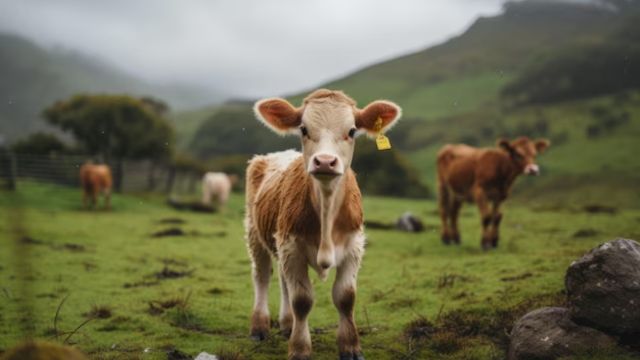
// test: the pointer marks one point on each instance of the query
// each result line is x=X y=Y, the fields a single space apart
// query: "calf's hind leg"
x=261 y=271
x=443 y=205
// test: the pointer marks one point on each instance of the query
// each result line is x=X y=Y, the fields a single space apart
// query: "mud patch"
x=72 y=247
x=583 y=233
x=600 y=209
x=27 y=240
x=175 y=221
x=378 y=225
x=168 y=273
x=175 y=354
x=419 y=329
x=217 y=291
x=517 y=277
x=99 y=312
x=174 y=231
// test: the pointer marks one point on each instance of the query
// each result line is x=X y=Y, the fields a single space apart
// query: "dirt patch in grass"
x=171 y=221
x=450 y=331
x=142 y=283
x=72 y=247
x=99 y=312
x=174 y=231
x=600 y=209
x=217 y=291
x=168 y=273
x=419 y=329
x=517 y=277
x=27 y=240
x=583 y=233
x=157 y=307
x=175 y=354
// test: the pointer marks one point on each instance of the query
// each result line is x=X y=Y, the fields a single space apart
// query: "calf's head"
x=523 y=152
x=328 y=123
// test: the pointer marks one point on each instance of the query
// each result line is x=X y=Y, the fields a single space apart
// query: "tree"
x=40 y=143
x=114 y=126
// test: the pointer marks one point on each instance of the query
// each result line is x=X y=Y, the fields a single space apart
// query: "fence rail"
x=129 y=175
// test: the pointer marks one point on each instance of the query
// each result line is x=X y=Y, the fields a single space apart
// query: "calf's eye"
x=304 y=131
x=352 y=132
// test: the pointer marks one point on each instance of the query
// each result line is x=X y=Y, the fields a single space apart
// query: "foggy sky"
x=242 y=47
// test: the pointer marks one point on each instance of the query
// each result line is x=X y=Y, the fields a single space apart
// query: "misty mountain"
x=454 y=93
x=34 y=77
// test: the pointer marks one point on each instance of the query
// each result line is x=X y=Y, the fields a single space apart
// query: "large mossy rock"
x=603 y=287
x=549 y=333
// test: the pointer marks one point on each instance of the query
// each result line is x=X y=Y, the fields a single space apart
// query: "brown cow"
x=305 y=210
x=483 y=176
x=95 y=179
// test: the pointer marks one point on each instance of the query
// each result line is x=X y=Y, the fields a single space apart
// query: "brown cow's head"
x=327 y=122
x=523 y=152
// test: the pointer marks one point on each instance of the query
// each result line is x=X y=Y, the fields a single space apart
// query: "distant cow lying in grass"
x=216 y=187
x=484 y=176
x=95 y=179
x=305 y=210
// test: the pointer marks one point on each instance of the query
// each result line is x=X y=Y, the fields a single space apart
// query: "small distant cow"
x=216 y=186
x=305 y=210
x=483 y=176
x=95 y=179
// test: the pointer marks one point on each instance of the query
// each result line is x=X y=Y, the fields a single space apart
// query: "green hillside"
x=455 y=92
x=33 y=77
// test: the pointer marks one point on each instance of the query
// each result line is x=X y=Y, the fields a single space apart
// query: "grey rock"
x=408 y=222
x=549 y=333
x=603 y=287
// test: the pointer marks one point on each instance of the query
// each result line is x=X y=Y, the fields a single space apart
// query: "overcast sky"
x=242 y=47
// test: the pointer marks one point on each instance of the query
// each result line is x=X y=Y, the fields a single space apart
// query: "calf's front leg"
x=344 y=298
x=298 y=285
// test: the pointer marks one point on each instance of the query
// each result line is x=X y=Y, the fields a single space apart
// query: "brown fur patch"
x=301 y=305
x=350 y=217
x=347 y=301
x=280 y=113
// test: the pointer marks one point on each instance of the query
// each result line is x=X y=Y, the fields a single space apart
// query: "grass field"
x=148 y=295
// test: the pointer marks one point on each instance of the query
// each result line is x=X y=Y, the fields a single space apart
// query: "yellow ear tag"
x=382 y=142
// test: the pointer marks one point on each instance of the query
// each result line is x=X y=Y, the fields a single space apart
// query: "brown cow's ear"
x=386 y=111
x=542 y=145
x=504 y=144
x=279 y=115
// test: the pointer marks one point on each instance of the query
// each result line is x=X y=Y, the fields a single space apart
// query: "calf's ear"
x=386 y=111
x=278 y=115
x=542 y=145
x=504 y=144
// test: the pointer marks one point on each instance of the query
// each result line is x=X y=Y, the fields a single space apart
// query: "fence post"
x=12 y=179
x=170 y=179
x=119 y=176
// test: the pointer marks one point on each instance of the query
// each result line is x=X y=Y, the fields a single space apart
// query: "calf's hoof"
x=456 y=239
x=299 y=357
x=486 y=246
x=445 y=240
x=494 y=243
x=259 y=335
x=286 y=332
x=351 y=356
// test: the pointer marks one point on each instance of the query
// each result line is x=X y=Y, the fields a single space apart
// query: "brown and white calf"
x=483 y=176
x=305 y=210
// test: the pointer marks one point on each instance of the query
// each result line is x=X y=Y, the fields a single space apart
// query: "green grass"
x=106 y=263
